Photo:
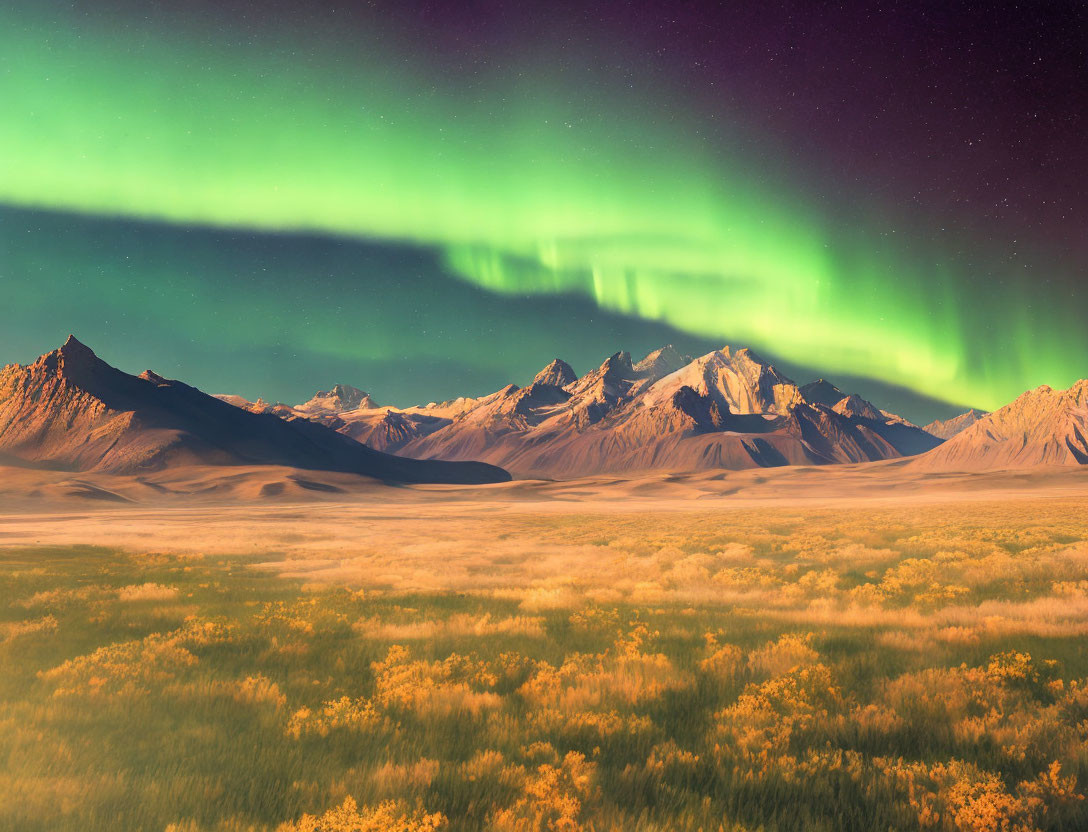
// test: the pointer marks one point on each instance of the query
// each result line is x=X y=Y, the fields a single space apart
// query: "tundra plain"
x=673 y=653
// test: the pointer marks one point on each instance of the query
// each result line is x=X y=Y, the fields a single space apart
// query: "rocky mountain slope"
x=71 y=410
x=726 y=409
x=1042 y=427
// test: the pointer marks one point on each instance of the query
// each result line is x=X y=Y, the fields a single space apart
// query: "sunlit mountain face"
x=416 y=199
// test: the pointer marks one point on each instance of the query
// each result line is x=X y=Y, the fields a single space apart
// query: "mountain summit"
x=947 y=428
x=822 y=392
x=340 y=399
x=71 y=410
x=558 y=374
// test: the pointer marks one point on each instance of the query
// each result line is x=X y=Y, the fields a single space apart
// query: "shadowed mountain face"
x=726 y=409
x=1042 y=427
x=823 y=392
x=70 y=409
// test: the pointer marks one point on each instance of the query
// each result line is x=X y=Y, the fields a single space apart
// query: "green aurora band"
x=524 y=187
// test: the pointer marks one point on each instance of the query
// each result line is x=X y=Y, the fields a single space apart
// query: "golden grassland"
x=873 y=668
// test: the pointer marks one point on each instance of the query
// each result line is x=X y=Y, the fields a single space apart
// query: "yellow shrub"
x=552 y=798
x=385 y=817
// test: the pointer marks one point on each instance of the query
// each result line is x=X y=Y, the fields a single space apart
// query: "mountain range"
x=728 y=409
x=72 y=411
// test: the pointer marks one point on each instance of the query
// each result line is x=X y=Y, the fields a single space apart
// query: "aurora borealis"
x=528 y=184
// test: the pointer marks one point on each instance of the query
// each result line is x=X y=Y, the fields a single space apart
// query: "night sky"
x=427 y=200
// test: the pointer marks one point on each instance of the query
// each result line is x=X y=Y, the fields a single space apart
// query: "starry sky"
x=428 y=200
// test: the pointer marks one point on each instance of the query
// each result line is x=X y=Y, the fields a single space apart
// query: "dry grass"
x=777 y=669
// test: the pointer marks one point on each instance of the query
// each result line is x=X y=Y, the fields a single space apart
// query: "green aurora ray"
x=524 y=186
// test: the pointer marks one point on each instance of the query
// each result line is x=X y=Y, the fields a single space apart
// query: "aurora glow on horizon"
x=530 y=177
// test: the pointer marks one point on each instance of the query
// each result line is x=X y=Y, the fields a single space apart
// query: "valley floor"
x=735 y=652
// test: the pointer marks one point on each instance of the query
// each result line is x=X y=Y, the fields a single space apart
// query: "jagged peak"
x=947 y=428
x=558 y=374
x=662 y=361
x=822 y=391
x=153 y=377
x=856 y=407
x=345 y=390
x=72 y=350
x=617 y=364
x=746 y=353
x=736 y=359
x=73 y=354
x=341 y=398
x=621 y=359
x=667 y=351
x=74 y=345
